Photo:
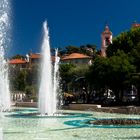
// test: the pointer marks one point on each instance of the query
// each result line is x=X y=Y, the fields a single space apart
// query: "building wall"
x=77 y=61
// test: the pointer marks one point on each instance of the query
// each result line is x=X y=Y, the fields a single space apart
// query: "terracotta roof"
x=36 y=55
x=136 y=25
x=75 y=56
x=17 y=61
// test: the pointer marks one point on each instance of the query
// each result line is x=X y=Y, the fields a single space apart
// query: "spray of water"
x=55 y=80
x=4 y=81
x=48 y=85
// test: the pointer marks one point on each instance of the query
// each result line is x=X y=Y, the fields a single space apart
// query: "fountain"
x=21 y=123
x=49 y=77
x=25 y=123
x=55 y=80
x=4 y=82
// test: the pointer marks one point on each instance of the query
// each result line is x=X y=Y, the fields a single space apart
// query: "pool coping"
x=90 y=107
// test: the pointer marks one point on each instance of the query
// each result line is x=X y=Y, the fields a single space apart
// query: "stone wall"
x=90 y=107
x=98 y=108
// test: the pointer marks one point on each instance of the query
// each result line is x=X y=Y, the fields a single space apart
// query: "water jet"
x=47 y=103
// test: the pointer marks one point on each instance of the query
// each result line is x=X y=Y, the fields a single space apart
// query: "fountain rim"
x=83 y=123
x=33 y=113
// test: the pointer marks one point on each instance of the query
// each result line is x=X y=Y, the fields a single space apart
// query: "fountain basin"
x=51 y=128
x=33 y=113
x=106 y=123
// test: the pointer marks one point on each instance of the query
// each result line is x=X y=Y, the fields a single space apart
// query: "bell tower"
x=106 y=40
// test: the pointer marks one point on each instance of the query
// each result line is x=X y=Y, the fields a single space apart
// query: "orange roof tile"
x=136 y=25
x=75 y=56
x=17 y=61
x=35 y=56
x=38 y=56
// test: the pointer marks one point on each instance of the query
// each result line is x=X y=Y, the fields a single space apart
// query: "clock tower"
x=106 y=40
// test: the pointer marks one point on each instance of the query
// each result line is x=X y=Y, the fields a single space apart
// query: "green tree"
x=135 y=56
x=126 y=41
x=19 y=82
x=31 y=92
x=88 y=49
x=18 y=56
x=111 y=73
x=72 y=49
x=65 y=74
x=120 y=71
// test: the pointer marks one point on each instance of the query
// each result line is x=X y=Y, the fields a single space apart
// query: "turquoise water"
x=70 y=127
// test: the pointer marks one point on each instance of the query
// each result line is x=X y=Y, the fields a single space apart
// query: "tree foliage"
x=88 y=49
x=111 y=72
x=126 y=41
x=18 y=56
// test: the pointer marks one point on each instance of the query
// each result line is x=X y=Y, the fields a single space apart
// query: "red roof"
x=38 y=56
x=75 y=56
x=17 y=61
x=34 y=56
x=136 y=25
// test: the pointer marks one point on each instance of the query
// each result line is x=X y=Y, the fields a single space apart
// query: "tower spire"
x=106 y=37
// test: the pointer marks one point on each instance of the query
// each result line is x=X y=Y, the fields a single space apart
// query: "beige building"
x=76 y=58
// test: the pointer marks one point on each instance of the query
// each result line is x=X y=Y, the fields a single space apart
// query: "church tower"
x=106 y=40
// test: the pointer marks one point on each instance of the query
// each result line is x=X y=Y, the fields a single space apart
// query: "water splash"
x=55 y=80
x=4 y=81
x=48 y=85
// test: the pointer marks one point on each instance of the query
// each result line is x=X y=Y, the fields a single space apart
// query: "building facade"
x=76 y=58
x=18 y=63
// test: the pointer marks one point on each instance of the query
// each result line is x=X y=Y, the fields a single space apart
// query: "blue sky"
x=71 y=22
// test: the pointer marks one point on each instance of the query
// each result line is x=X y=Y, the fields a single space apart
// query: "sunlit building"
x=18 y=63
x=76 y=58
